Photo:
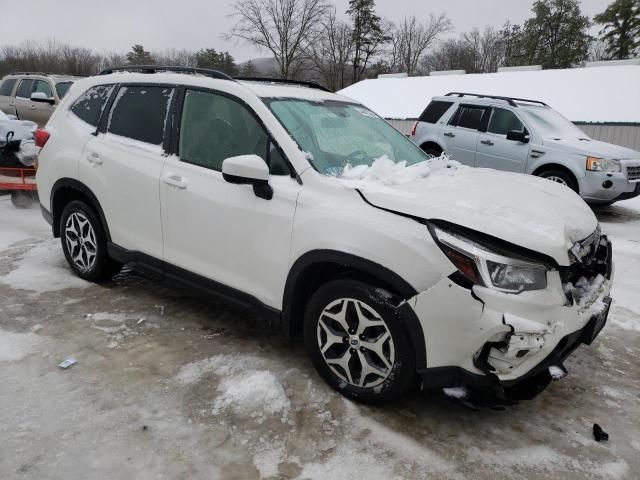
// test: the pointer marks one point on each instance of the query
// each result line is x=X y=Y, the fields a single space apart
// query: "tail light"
x=41 y=137
x=413 y=129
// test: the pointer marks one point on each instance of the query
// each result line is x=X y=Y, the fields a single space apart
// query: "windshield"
x=550 y=124
x=336 y=134
x=62 y=88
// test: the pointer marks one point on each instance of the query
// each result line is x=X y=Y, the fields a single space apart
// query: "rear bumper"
x=528 y=385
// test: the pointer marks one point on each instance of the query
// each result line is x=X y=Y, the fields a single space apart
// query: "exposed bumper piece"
x=507 y=342
x=530 y=384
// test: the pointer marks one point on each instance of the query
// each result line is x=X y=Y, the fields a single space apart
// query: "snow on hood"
x=527 y=211
x=591 y=147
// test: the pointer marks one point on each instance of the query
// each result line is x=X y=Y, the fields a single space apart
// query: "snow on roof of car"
x=607 y=94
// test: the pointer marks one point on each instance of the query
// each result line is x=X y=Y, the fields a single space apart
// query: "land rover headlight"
x=481 y=266
x=595 y=164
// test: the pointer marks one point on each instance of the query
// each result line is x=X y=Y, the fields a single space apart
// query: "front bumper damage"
x=506 y=343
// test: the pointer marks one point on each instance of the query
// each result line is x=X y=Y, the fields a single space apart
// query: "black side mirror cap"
x=518 y=136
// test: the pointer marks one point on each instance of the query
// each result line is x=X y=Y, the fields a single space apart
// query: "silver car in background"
x=33 y=96
x=527 y=136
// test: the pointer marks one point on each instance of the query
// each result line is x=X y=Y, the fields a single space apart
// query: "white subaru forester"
x=310 y=209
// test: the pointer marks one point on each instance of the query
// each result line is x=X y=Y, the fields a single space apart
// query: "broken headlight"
x=484 y=267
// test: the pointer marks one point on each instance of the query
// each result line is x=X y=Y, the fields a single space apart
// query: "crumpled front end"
x=515 y=343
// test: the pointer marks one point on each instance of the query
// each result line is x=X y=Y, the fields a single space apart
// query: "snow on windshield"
x=551 y=124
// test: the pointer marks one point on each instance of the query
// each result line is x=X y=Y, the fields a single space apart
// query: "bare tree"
x=332 y=51
x=286 y=28
x=412 y=38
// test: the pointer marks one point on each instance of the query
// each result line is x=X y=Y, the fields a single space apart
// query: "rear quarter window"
x=6 y=88
x=140 y=113
x=90 y=105
x=434 y=111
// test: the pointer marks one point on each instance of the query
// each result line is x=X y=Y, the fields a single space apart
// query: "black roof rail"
x=511 y=100
x=283 y=81
x=33 y=73
x=166 y=68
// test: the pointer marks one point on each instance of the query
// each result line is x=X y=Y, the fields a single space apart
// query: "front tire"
x=561 y=177
x=84 y=243
x=357 y=341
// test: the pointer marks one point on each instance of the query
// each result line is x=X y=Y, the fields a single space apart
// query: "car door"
x=460 y=136
x=219 y=230
x=123 y=162
x=40 y=112
x=23 y=98
x=495 y=150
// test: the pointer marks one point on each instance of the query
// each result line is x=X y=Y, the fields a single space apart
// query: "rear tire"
x=561 y=177
x=433 y=151
x=84 y=243
x=22 y=199
x=357 y=341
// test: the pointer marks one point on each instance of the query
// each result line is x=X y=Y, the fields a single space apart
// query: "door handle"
x=94 y=158
x=12 y=104
x=487 y=142
x=449 y=134
x=175 y=181
x=32 y=107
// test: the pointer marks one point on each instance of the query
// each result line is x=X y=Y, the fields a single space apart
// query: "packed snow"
x=16 y=346
x=406 y=98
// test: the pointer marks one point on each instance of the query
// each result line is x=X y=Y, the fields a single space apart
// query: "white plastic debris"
x=556 y=372
x=68 y=363
x=456 y=392
x=140 y=321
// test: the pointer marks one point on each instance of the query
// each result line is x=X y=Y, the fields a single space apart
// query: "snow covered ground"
x=171 y=386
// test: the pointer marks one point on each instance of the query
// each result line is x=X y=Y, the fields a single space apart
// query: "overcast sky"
x=115 y=25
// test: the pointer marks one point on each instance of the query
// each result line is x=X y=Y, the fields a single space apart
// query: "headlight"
x=489 y=269
x=596 y=164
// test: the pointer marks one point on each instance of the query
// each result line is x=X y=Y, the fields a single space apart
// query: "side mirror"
x=248 y=170
x=518 y=136
x=42 y=98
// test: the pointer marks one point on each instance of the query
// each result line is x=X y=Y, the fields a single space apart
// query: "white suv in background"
x=310 y=209
x=527 y=136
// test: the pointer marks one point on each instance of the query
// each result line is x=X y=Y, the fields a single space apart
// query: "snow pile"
x=43 y=268
x=584 y=291
x=13 y=130
x=16 y=346
x=384 y=171
x=254 y=394
x=245 y=388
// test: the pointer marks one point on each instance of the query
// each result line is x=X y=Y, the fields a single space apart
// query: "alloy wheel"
x=355 y=342
x=80 y=238
x=555 y=178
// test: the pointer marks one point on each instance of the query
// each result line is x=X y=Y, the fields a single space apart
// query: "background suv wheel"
x=357 y=341
x=560 y=176
x=84 y=243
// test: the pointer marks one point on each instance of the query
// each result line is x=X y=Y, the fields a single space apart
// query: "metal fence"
x=625 y=135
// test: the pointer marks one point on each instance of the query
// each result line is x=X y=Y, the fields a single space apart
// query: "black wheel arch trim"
x=403 y=288
x=83 y=189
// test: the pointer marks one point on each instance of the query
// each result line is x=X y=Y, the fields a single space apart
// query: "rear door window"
x=90 y=105
x=434 y=111
x=6 y=89
x=43 y=87
x=140 y=113
x=25 y=88
x=503 y=121
x=470 y=117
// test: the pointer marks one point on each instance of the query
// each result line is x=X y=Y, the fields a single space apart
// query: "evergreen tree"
x=621 y=29
x=368 y=34
x=139 y=56
x=556 y=37
x=248 y=70
x=210 y=58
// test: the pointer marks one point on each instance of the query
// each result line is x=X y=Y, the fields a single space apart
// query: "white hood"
x=592 y=147
x=527 y=211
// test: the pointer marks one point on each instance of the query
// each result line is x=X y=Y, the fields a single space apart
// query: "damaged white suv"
x=310 y=209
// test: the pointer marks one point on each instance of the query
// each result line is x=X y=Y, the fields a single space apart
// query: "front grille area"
x=633 y=173
x=600 y=262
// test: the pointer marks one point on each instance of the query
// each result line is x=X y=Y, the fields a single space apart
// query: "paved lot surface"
x=175 y=387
